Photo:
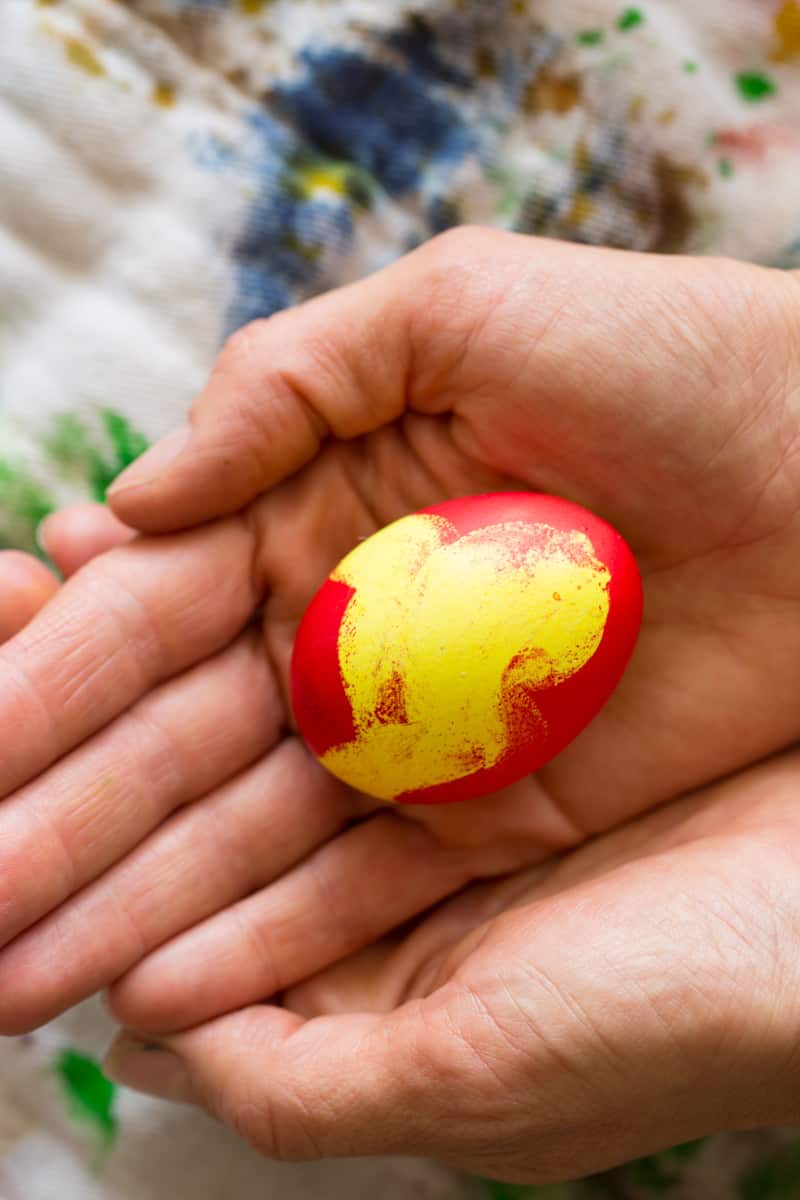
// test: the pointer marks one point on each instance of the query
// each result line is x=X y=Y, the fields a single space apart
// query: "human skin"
x=575 y=1024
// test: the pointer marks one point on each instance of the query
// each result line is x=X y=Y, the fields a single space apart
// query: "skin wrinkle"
x=351 y=461
x=72 y=839
x=542 y=1043
x=238 y=850
x=10 y=905
x=693 y=1071
x=16 y=673
x=449 y=287
x=474 y=1050
x=100 y=570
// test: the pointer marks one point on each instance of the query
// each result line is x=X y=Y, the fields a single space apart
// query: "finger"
x=349 y=893
x=153 y=609
x=205 y=858
x=363 y=983
x=592 y=1028
x=25 y=587
x=63 y=830
x=472 y=316
x=327 y=1088
x=279 y=388
x=73 y=536
x=393 y=971
x=387 y=973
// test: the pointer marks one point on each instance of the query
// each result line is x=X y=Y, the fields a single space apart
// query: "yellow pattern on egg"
x=440 y=627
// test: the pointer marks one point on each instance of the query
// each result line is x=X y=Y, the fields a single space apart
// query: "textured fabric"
x=170 y=169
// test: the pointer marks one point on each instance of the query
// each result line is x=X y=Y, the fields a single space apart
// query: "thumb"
x=331 y=1087
x=334 y=367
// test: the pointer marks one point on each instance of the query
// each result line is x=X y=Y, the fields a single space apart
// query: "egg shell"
x=463 y=647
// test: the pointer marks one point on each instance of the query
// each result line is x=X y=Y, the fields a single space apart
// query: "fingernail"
x=148 y=1067
x=153 y=462
x=41 y=534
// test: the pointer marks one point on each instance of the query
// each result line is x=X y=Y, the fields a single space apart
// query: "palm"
x=709 y=512
x=276 y=855
x=591 y=1008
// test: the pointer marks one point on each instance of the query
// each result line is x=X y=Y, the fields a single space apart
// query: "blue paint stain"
x=381 y=118
x=416 y=42
x=348 y=127
x=288 y=233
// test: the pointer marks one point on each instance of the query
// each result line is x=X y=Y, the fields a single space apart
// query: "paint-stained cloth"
x=170 y=169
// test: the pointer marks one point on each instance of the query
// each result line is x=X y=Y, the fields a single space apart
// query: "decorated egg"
x=462 y=647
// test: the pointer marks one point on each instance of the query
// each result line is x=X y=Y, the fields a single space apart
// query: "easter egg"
x=464 y=646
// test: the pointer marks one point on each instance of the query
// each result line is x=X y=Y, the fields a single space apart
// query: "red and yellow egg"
x=463 y=647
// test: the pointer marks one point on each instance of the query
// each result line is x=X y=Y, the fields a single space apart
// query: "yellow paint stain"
x=163 y=94
x=667 y=116
x=582 y=157
x=636 y=108
x=457 y=625
x=787 y=30
x=252 y=8
x=321 y=178
x=582 y=209
x=46 y=3
x=81 y=55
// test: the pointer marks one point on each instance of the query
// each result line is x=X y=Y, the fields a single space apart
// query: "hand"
x=640 y=992
x=658 y=392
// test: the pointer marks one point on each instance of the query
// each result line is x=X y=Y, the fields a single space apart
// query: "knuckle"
x=467 y=277
x=461 y=244
x=453 y=261
x=242 y=350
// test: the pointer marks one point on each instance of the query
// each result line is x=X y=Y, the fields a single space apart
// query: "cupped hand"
x=156 y=798
x=640 y=992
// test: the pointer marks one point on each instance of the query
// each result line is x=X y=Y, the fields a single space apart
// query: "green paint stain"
x=308 y=171
x=89 y=1094
x=309 y=254
x=778 y=1178
x=630 y=19
x=127 y=443
x=591 y=37
x=72 y=449
x=690 y=67
x=755 y=86
x=513 y=1191
x=659 y=1173
x=726 y=168
x=24 y=503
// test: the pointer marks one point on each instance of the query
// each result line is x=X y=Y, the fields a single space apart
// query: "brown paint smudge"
x=553 y=93
x=787 y=32
x=163 y=94
x=582 y=209
x=675 y=216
